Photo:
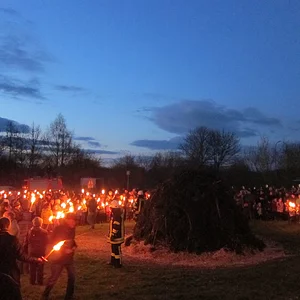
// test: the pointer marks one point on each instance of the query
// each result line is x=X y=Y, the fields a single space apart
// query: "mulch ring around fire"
x=209 y=260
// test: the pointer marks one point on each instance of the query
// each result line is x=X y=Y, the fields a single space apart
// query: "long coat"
x=11 y=251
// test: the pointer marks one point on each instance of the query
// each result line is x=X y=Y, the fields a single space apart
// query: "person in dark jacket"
x=116 y=233
x=11 y=251
x=65 y=256
x=35 y=245
x=92 y=212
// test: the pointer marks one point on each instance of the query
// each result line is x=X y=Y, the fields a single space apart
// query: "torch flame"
x=103 y=192
x=292 y=204
x=58 y=246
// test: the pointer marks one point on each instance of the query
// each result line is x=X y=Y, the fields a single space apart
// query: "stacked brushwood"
x=194 y=211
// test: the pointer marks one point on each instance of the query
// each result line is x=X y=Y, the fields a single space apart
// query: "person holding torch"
x=63 y=239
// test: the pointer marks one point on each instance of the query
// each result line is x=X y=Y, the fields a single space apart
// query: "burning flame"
x=63 y=205
x=58 y=246
x=32 y=198
x=71 y=209
x=60 y=215
x=82 y=191
x=292 y=204
x=103 y=192
x=51 y=218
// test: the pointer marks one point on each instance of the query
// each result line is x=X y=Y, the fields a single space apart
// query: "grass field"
x=146 y=279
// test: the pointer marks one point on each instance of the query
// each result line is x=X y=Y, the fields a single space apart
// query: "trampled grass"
x=153 y=279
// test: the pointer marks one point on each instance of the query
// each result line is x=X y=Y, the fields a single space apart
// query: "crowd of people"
x=36 y=219
x=269 y=202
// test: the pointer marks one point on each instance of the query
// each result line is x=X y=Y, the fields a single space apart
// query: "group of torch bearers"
x=48 y=217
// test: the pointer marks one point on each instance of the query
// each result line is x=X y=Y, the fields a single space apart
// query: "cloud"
x=171 y=144
x=84 y=138
x=94 y=144
x=23 y=128
x=182 y=116
x=69 y=88
x=18 y=88
x=22 y=53
x=95 y=151
x=9 y=11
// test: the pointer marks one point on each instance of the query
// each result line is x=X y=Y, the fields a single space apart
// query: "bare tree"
x=144 y=161
x=10 y=139
x=291 y=156
x=260 y=158
x=224 y=146
x=204 y=146
x=59 y=141
x=21 y=148
x=196 y=146
x=127 y=162
x=34 y=145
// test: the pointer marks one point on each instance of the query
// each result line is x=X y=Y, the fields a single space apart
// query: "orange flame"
x=292 y=204
x=58 y=246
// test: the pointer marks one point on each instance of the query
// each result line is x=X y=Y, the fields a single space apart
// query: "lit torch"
x=292 y=204
x=55 y=248
x=32 y=200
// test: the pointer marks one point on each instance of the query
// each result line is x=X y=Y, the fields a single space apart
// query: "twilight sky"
x=137 y=75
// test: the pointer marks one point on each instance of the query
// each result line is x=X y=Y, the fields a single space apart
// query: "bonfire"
x=195 y=211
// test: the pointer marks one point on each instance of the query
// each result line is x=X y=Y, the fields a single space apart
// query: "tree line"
x=54 y=152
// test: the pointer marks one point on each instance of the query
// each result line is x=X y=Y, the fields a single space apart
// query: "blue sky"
x=137 y=75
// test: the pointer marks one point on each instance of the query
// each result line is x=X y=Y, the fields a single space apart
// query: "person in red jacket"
x=116 y=233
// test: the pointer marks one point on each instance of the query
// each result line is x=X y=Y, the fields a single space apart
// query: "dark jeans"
x=36 y=274
x=56 y=270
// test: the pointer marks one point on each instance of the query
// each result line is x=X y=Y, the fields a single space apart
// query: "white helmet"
x=114 y=204
x=140 y=193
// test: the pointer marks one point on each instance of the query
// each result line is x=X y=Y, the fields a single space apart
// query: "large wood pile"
x=194 y=211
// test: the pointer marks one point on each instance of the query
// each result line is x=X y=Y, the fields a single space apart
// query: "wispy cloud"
x=9 y=11
x=99 y=151
x=171 y=144
x=23 y=128
x=70 y=88
x=84 y=138
x=16 y=52
x=94 y=144
x=182 y=116
x=18 y=88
